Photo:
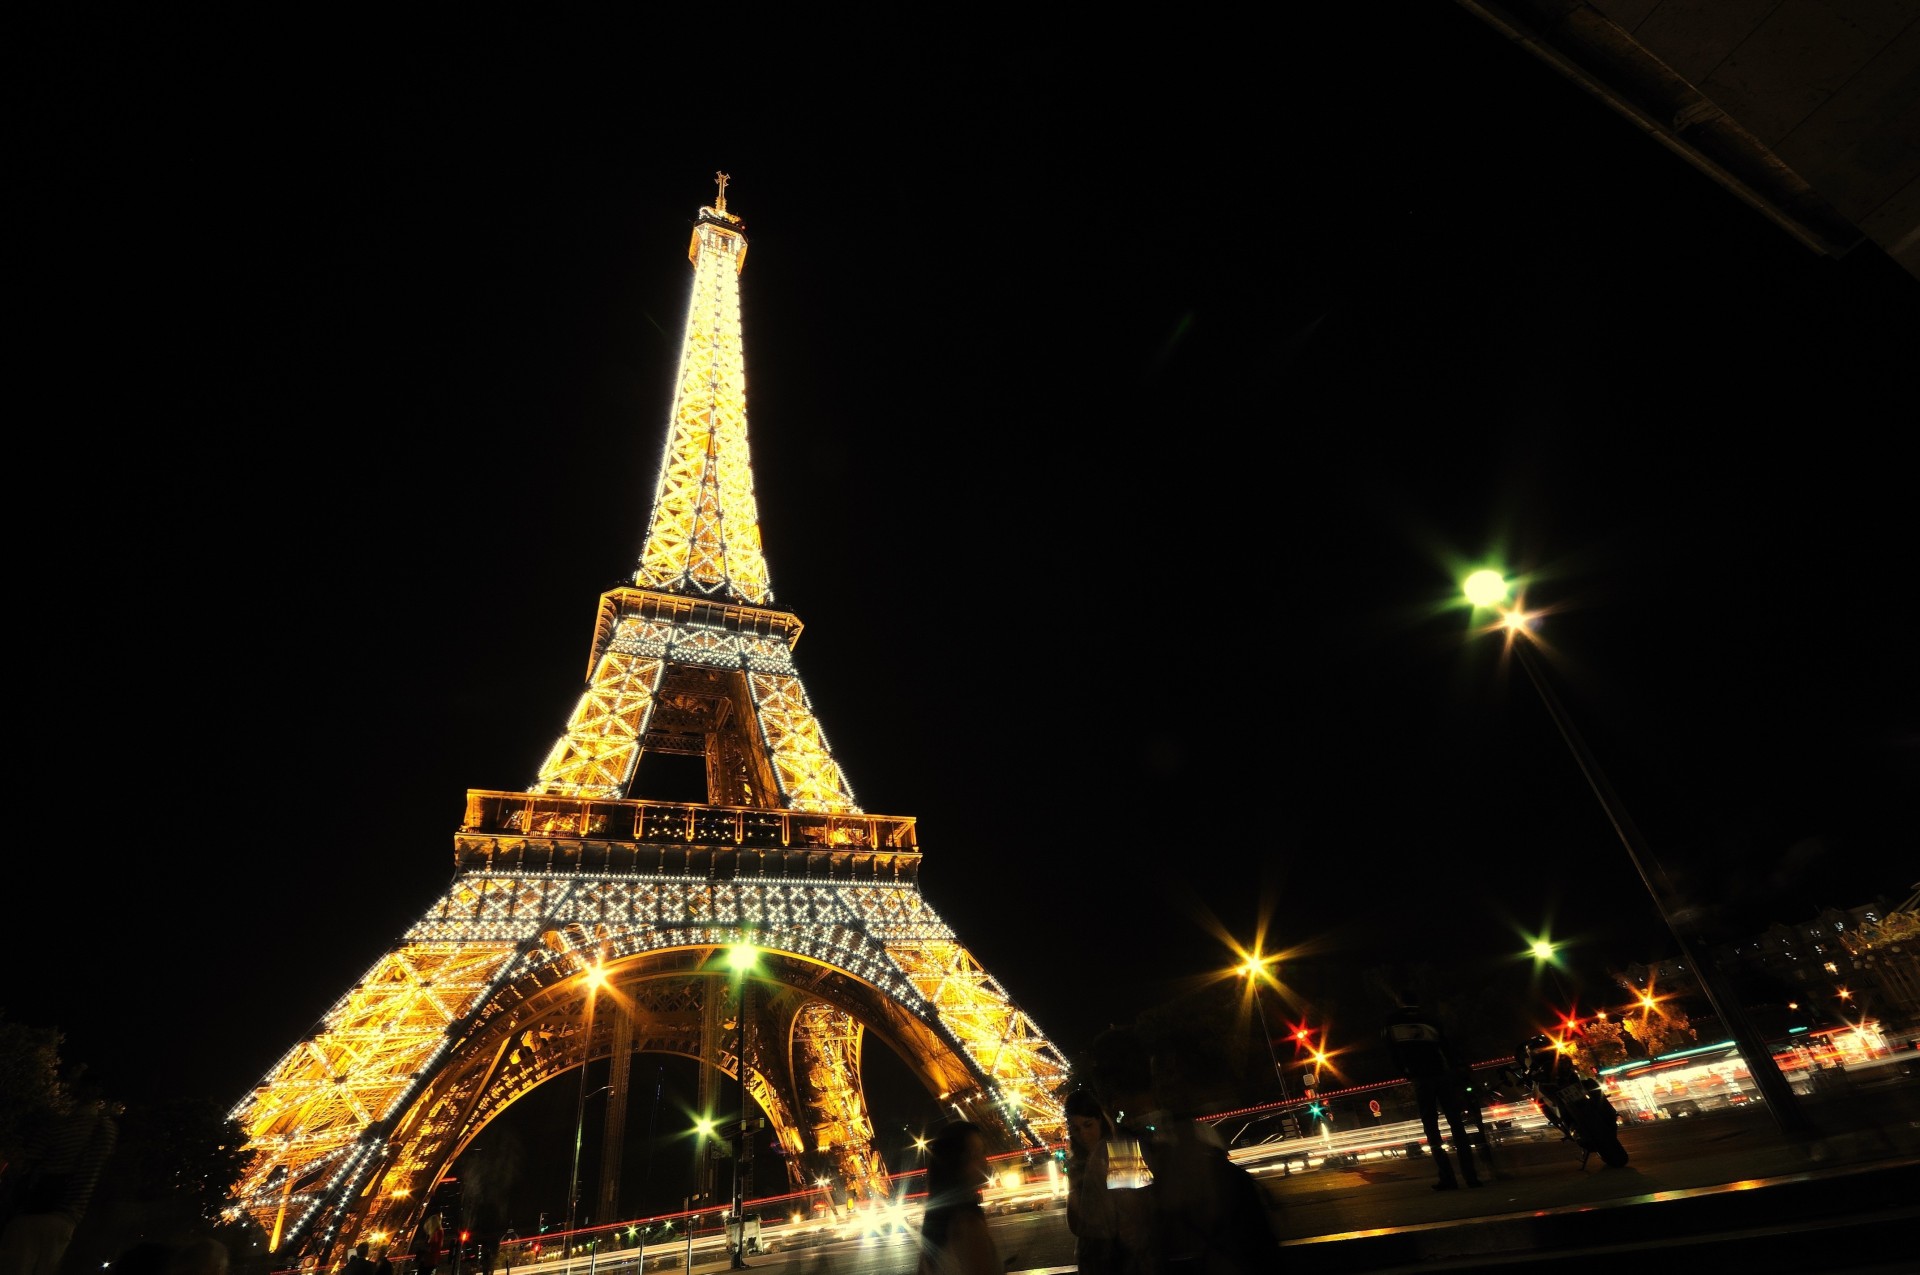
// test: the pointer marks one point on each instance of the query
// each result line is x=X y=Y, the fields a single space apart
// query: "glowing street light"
x=1489 y=590
x=1254 y=968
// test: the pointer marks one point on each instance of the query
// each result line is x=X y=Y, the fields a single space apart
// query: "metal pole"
x=579 y=1121
x=1774 y=1088
x=739 y=1262
x=1279 y=1072
x=573 y=1186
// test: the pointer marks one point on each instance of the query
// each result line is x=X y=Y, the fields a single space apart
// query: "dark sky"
x=1124 y=407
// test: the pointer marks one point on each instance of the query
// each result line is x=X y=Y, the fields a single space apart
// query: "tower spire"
x=703 y=537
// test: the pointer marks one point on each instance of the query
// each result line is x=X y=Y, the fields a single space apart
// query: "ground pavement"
x=1727 y=1188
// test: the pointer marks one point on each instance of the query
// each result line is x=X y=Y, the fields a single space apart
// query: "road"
x=1723 y=1188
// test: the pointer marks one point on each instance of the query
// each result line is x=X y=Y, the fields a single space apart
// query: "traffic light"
x=1316 y=1111
x=543 y=1222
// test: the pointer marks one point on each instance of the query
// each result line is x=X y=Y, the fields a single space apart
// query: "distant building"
x=1849 y=963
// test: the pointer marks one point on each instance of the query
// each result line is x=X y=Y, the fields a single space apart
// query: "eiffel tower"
x=584 y=924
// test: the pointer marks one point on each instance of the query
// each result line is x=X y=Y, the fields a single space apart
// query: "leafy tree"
x=29 y=1081
x=170 y=1180
x=1608 y=1042
x=172 y=1172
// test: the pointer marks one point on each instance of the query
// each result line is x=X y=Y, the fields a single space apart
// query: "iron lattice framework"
x=586 y=923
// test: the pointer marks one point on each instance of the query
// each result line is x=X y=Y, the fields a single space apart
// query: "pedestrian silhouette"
x=63 y=1153
x=358 y=1261
x=1208 y=1214
x=954 y=1239
x=1109 y=1211
x=197 y=1255
x=427 y=1240
x=1421 y=1049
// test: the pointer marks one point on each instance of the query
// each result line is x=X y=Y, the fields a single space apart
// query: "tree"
x=171 y=1180
x=1608 y=1042
x=29 y=1082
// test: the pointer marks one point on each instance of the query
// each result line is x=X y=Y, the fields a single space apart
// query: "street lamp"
x=702 y=1130
x=595 y=977
x=1488 y=590
x=740 y=959
x=1255 y=970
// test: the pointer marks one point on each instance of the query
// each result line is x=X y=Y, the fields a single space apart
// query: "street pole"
x=580 y=1108
x=1774 y=1088
x=739 y=1262
x=1279 y=1072
x=573 y=1186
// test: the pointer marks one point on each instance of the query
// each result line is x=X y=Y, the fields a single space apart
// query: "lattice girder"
x=601 y=749
x=485 y=999
x=305 y=1120
x=704 y=533
x=1024 y=1070
x=597 y=755
x=826 y=1066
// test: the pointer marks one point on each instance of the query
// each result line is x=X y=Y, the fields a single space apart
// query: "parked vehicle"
x=1574 y=1104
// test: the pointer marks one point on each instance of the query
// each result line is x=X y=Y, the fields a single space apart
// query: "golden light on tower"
x=491 y=992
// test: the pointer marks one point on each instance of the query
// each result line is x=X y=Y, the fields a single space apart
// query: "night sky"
x=1125 y=408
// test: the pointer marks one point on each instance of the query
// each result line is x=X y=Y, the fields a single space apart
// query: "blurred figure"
x=201 y=1255
x=1110 y=1216
x=1209 y=1217
x=428 y=1239
x=385 y=1265
x=954 y=1239
x=1423 y=1053
x=62 y=1156
x=358 y=1261
x=488 y=1223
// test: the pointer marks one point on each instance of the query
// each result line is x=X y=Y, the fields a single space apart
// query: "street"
x=1842 y=1202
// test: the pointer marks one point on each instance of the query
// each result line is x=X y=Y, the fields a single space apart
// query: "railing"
x=518 y=814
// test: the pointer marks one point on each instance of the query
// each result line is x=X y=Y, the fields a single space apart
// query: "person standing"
x=358 y=1261
x=1421 y=1050
x=427 y=1243
x=61 y=1163
x=1208 y=1214
x=1110 y=1221
x=954 y=1239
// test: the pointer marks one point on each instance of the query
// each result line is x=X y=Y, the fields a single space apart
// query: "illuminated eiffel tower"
x=584 y=924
